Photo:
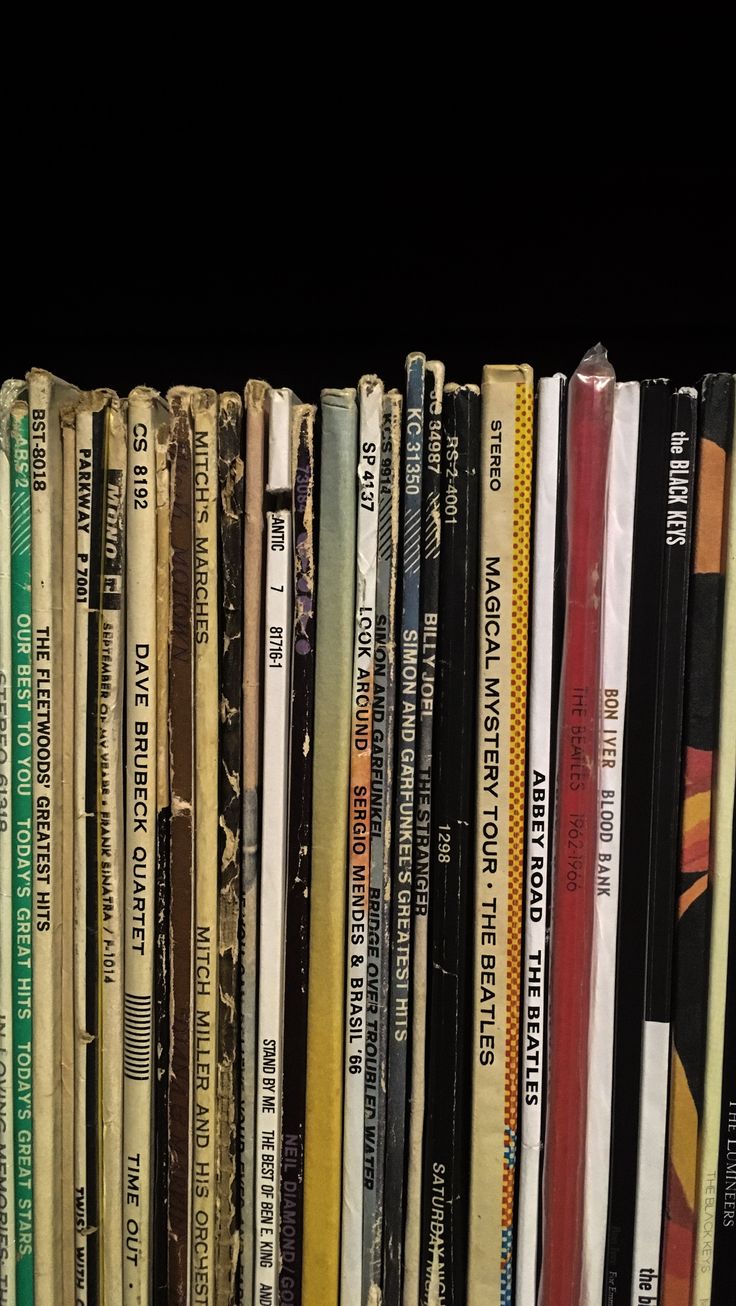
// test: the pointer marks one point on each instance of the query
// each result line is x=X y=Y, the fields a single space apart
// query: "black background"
x=309 y=284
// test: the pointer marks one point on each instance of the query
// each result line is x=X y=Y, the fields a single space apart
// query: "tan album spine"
x=111 y=846
x=178 y=1204
x=69 y=564
x=358 y=868
x=160 y=1158
x=85 y=1002
x=206 y=806
x=145 y=413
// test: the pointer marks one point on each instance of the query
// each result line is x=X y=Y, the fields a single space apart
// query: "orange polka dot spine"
x=506 y=490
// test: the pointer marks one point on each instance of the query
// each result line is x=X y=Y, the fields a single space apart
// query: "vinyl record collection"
x=367 y=772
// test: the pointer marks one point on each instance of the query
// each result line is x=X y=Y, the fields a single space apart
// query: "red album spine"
x=590 y=412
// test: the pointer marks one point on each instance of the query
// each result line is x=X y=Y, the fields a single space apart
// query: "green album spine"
x=47 y=396
x=22 y=807
x=8 y=394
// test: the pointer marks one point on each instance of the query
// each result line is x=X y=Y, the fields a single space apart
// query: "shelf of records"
x=367 y=777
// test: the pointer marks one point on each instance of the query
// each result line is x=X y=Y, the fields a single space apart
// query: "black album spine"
x=431 y=531
x=299 y=853
x=675 y=546
x=398 y=1068
x=444 y=1235
x=638 y=776
x=231 y=496
x=678 y=530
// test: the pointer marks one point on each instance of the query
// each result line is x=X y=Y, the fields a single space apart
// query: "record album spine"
x=356 y=1084
x=22 y=852
x=382 y=790
x=205 y=625
x=665 y=828
x=256 y=395
x=714 y=1147
x=274 y=824
x=444 y=1235
x=8 y=395
x=46 y=396
x=637 y=794
x=506 y=468
x=140 y=843
x=231 y=486
x=67 y=1214
x=616 y=597
x=160 y=1158
x=332 y=708
x=546 y=647
x=403 y=850
x=692 y=930
x=111 y=844
x=181 y=903
x=431 y=522
x=724 y=1239
x=299 y=852
x=89 y=457
x=269 y=1063
x=590 y=409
